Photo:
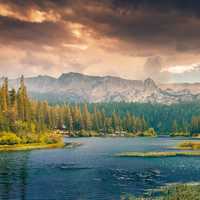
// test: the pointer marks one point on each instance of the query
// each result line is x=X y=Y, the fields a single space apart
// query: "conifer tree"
x=195 y=125
x=12 y=108
x=4 y=96
x=95 y=120
x=23 y=102
x=115 y=122
x=86 y=118
x=68 y=120
x=174 y=127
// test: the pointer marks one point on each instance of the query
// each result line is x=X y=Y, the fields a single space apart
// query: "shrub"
x=84 y=133
x=130 y=134
x=29 y=138
x=110 y=130
x=93 y=134
x=180 y=134
x=9 y=139
x=150 y=132
x=51 y=138
x=24 y=127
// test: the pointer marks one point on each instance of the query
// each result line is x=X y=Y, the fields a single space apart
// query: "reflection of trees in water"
x=13 y=175
x=23 y=177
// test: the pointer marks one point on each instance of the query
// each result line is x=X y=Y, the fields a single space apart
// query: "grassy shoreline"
x=36 y=146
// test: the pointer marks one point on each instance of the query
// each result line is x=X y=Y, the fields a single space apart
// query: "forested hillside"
x=20 y=114
x=181 y=117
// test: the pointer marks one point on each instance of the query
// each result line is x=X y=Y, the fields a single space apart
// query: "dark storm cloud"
x=73 y=32
x=14 y=30
x=169 y=23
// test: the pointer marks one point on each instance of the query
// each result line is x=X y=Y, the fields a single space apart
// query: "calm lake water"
x=91 y=172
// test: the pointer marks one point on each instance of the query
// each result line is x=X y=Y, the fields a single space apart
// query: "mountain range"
x=76 y=87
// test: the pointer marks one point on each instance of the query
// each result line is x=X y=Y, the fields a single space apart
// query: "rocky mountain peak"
x=70 y=75
x=150 y=84
x=76 y=87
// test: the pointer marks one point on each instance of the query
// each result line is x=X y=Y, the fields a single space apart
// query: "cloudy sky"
x=134 y=39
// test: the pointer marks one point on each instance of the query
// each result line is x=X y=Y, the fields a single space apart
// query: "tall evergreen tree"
x=174 y=127
x=23 y=102
x=86 y=118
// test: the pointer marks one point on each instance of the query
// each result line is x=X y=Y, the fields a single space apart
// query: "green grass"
x=180 y=134
x=158 y=154
x=28 y=147
x=173 y=192
x=191 y=145
x=25 y=147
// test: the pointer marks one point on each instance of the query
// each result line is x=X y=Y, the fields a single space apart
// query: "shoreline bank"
x=36 y=146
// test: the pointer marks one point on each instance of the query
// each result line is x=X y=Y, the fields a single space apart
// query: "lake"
x=91 y=172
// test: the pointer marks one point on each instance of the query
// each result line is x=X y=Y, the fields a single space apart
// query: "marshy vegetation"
x=158 y=154
x=16 y=142
x=189 y=145
x=173 y=192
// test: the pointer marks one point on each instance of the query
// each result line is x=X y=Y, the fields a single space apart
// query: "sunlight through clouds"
x=132 y=32
x=179 y=69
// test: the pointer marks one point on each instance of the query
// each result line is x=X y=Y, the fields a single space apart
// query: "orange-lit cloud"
x=130 y=38
x=32 y=15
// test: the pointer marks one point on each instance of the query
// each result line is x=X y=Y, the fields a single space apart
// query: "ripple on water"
x=70 y=166
x=128 y=177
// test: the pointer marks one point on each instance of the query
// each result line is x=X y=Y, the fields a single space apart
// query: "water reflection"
x=13 y=175
x=91 y=171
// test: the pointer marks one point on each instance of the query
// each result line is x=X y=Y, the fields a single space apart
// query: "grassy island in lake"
x=189 y=145
x=158 y=154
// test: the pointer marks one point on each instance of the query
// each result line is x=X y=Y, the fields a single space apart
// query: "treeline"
x=20 y=114
x=165 y=119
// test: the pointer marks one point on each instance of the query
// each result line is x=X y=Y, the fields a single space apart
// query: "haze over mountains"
x=76 y=87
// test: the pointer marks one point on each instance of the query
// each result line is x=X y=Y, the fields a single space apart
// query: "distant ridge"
x=77 y=87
